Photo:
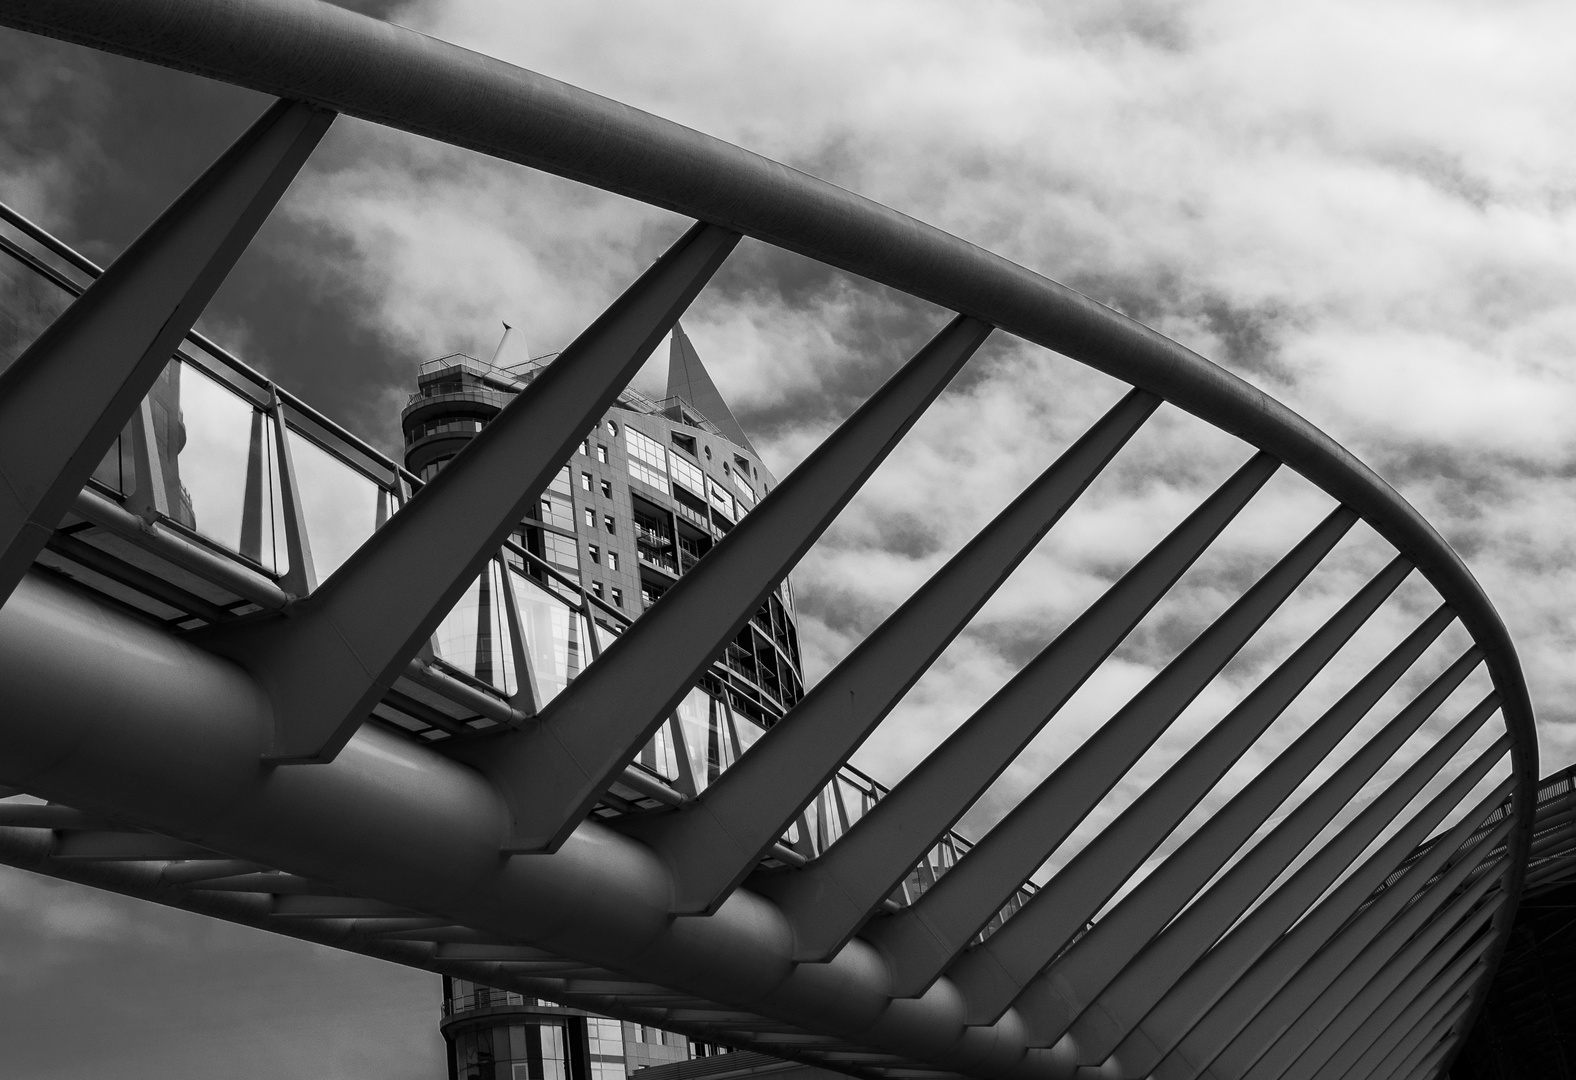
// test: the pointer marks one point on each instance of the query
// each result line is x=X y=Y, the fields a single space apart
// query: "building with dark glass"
x=648 y=492
x=1527 y=1026
x=492 y=1034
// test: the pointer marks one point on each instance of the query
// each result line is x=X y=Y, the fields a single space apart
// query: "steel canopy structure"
x=236 y=748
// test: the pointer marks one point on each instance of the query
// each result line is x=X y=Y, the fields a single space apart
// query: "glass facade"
x=534 y=1051
x=500 y=1035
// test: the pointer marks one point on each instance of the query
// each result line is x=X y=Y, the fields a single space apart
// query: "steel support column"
x=328 y=662
x=65 y=399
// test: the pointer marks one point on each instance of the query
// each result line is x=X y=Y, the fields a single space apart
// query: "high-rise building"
x=492 y=1034
x=647 y=493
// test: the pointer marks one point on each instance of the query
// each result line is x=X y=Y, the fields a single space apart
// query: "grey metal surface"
x=178 y=762
x=555 y=770
x=341 y=648
x=105 y=353
x=744 y=811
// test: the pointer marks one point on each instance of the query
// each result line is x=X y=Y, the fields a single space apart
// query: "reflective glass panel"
x=812 y=819
x=748 y=731
x=694 y=714
x=831 y=816
x=689 y=475
x=223 y=464
x=474 y=636
x=28 y=303
x=553 y=636
x=340 y=504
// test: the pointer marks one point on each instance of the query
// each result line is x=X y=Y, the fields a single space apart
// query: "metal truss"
x=220 y=759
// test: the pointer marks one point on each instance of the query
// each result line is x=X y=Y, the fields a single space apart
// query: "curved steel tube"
x=396 y=77
x=435 y=828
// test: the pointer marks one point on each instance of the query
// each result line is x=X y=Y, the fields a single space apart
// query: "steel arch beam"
x=312 y=51
x=598 y=907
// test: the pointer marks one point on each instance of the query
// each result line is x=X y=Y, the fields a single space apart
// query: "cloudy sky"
x=1368 y=210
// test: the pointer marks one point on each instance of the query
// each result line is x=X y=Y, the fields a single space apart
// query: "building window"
x=612 y=429
x=605 y=1043
x=689 y=476
x=745 y=493
x=595 y=553
x=596 y=589
x=648 y=462
x=654 y=541
x=601 y=453
x=618 y=597
x=561 y=550
x=708 y=453
x=432 y=468
x=557 y=512
x=607 y=489
x=612 y=560
x=585 y=481
x=590 y=518
x=690 y=551
x=685 y=443
x=585 y=447
x=721 y=500
x=607 y=519
x=464 y=426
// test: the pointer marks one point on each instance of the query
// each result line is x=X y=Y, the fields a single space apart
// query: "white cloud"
x=1364 y=208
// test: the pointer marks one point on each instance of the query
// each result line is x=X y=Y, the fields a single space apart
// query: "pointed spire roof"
x=687 y=379
x=512 y=349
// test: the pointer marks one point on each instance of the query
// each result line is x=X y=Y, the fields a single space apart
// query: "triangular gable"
x=688 y=380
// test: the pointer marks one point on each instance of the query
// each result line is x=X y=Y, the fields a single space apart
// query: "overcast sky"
x=1364 y=209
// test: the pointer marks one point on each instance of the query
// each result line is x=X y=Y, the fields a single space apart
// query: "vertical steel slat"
x=714 y=843
x=1022 y=947
x=331 y=660
x=1237 y=1024
x=554 y=771
x=1099 y=958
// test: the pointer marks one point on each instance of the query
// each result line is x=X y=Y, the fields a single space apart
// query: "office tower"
x=641 y=500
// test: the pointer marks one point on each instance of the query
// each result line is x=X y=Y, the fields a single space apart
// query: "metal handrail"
x=63 y=251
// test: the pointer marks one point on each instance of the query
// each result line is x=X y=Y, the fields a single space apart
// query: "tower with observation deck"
x=644 y=497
